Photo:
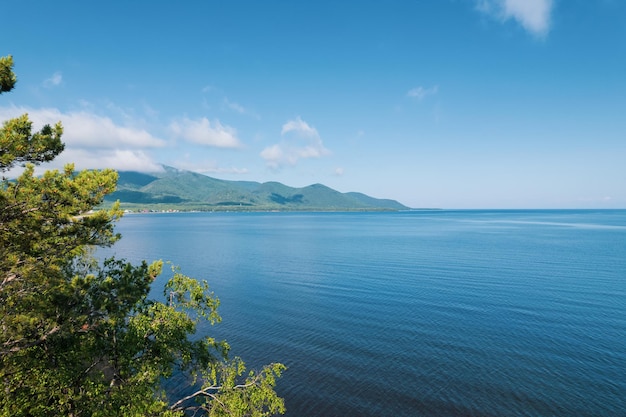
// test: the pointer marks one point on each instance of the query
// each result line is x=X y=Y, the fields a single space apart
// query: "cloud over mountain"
x=299 y=141
x=203 y=132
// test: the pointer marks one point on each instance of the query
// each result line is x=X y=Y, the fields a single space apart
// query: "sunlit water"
x=434 y=313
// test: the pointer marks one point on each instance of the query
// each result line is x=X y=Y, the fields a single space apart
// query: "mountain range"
x=185 y=190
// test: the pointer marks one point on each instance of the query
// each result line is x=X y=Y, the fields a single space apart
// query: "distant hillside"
x=185 y=190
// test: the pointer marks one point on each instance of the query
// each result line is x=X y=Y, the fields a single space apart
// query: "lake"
x=421 y=313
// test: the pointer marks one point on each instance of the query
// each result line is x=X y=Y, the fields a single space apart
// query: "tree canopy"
x=80 y=337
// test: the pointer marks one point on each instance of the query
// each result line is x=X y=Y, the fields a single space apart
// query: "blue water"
x=433 y=313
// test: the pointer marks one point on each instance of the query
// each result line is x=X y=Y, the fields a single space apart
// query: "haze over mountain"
x=189 y=190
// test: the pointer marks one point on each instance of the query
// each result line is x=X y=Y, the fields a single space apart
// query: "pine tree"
x=80 y=337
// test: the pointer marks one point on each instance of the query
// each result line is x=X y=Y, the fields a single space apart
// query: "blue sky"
x=434 y=103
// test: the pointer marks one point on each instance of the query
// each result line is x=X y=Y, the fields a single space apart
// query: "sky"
x=434 y=103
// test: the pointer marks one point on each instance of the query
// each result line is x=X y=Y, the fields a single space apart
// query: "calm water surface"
x=434 y=313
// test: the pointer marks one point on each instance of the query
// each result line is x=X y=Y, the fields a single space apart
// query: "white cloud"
x=224 y=170
x=189 y=162
x=203 y=132
x=54 y=80
x=236 y=107
x=96 y=131
x=118 y=159
x=420 y=92
x=274 y=155
x=533 y=15
x=300 y=141
x=212 y=168
x=339 y=171
x=93 y=141
x=299 y=126
x=87 y=130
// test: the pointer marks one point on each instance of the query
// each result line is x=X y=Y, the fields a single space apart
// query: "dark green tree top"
x=7 y=77
x=18 y=144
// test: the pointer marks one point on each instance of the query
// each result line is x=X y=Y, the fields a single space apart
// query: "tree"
x=80 y=337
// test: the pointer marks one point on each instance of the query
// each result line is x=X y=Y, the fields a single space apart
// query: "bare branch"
x=8 y=278
x=31 y=344
x=205 y=393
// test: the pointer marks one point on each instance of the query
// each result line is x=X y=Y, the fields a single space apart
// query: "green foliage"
x=18 y=145
x=7 y=77
x=80 y=337
x=225 y=394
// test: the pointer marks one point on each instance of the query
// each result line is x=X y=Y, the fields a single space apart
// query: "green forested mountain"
x=174 y=188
